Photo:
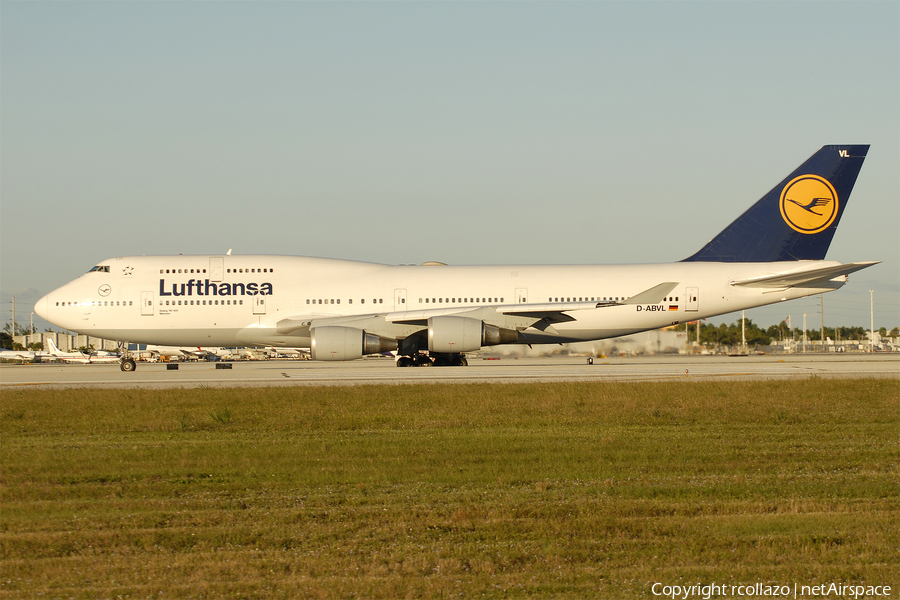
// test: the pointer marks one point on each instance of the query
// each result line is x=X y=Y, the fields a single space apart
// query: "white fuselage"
x=265 y=300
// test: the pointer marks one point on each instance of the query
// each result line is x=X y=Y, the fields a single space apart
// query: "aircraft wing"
x=804 y=278
x=555 y=312
x=300 y=324
x=548 y=313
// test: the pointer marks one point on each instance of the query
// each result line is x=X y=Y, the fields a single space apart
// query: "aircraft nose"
x=42 y=308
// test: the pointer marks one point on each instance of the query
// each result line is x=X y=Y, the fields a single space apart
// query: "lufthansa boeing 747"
x=435 y=314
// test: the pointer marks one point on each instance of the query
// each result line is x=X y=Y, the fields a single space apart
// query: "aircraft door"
x=521 y=295
x=400 y=300
x=692 y=299
x=216 y=268
x=259 y=305
x=146 y=304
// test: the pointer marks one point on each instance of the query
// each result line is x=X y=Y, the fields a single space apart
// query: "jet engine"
x=346 y=343
x=462 y=334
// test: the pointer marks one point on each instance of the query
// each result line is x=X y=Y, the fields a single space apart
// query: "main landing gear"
x=435 y=359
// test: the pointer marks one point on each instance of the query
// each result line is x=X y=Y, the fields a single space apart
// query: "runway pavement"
x=382 y=371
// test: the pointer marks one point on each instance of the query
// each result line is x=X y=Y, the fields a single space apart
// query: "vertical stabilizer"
x=797 y=219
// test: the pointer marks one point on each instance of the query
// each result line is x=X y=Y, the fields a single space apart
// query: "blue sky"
x=470 y=133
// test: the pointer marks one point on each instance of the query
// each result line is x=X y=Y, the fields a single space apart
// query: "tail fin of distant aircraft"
x=798 y=218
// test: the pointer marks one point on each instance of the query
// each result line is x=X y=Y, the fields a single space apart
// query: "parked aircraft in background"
x=16 y=354
x=79 y=357
x=55 y=352
x=302 y=353
x=434 y=314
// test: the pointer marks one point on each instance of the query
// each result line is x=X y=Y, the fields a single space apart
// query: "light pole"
x=822 y=302
x=743 y=334
x=872 y=317
x=804 y=332
x=31 y=331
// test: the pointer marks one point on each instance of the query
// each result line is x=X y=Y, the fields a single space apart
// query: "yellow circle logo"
x=808 y=204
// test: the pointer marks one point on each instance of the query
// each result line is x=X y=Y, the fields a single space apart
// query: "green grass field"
x=448 y=491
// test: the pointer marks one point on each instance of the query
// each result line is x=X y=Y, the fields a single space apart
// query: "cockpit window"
x=101 y=269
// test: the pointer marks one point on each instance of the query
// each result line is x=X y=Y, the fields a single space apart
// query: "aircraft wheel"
x=127 y=365
x=422 y=361
x=463 y=362
x=405 y=361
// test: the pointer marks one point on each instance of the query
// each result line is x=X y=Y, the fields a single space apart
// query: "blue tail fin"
x=798 y=218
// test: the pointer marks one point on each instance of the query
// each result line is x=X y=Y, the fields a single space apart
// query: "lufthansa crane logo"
x=808 y=204
x=104 y=289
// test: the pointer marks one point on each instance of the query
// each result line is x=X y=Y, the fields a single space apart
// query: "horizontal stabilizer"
x=805 y=277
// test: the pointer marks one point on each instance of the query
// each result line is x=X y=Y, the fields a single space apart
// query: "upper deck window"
x=102 y=269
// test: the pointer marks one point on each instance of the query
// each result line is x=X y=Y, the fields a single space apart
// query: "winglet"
x=654 y=295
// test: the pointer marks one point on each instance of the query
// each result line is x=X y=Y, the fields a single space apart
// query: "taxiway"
x=507 y=370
